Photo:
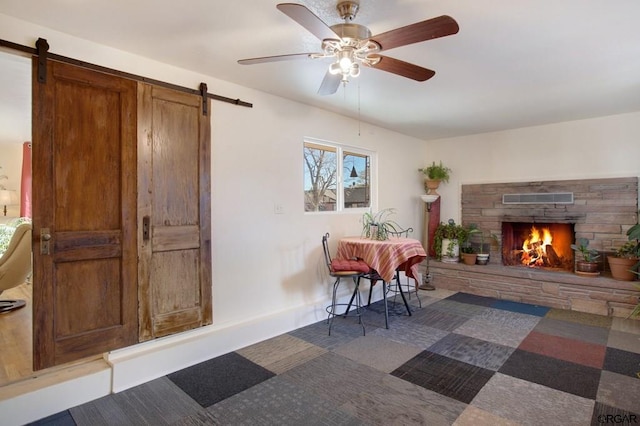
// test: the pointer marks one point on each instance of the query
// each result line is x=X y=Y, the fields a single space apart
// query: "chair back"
x=15 y=262
x=400 y=232
x=325 y=247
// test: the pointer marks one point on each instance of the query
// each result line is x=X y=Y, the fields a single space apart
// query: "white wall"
x=592 y=148
x=11 y=166
x=268 y=275
x=273 y=260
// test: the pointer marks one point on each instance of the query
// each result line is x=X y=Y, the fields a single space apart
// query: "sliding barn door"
x=84 y=204
x=174 y=205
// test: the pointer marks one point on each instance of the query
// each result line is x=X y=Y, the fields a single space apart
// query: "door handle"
x=45 y=238
x=145 y=228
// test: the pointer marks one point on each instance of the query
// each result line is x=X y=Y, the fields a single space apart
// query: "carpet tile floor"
x=459 y=359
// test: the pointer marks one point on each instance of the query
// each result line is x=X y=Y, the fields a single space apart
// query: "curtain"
x=25 y=184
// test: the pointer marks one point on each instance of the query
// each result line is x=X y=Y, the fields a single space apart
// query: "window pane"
x=320 y=181
x=357 y=192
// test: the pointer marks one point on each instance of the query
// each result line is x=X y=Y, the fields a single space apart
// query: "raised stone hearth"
x=598 y=295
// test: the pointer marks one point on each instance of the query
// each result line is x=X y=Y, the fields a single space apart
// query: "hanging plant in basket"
x=434 y=174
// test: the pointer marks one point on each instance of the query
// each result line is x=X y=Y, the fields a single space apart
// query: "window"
x=329 y=166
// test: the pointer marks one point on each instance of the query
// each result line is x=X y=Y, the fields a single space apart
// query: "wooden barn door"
x=174 y=204
x=84 y=204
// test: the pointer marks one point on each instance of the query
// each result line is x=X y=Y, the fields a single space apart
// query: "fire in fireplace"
x=538 y=245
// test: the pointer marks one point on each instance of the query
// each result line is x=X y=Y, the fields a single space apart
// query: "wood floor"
x=16 y=337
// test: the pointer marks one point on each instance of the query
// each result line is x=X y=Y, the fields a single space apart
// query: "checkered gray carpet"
x=460 y=359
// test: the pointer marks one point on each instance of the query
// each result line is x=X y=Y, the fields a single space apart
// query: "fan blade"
x=307 y=19
x=420 y=31
x=404 y=69
x=330 y=84
x=277 y=58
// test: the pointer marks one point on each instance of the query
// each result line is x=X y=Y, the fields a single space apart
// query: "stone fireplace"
x=535 y=223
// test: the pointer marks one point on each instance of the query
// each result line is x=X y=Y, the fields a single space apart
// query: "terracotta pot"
x=620 y=268
x=469 y=258
x=431 y=185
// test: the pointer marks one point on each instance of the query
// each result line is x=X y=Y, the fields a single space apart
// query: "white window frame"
x=373 y=176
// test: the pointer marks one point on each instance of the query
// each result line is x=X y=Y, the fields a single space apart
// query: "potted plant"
x=447 y=240
x=588 y=264
x=481 y=242
x=377 y=226
x=468 y=255
x=624 y=264
x=634 y=234
x=434 y=174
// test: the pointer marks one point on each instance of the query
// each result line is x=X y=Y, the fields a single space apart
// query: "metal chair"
x=409 y=289
x=395 y=288
x=344 y=268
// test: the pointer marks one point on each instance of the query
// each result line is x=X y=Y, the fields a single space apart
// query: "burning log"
x=552 y=257
x=534 y=246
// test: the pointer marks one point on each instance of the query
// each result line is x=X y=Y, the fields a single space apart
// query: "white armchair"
x=15 y=265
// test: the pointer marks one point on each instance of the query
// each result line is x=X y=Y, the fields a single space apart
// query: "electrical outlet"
x=278 y=209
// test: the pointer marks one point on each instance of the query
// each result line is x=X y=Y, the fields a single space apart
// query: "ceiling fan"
x=351 y=45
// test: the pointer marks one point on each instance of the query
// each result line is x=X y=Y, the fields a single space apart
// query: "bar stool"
x=344 y=268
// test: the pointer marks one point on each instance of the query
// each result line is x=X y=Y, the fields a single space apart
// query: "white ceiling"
x=513 y=63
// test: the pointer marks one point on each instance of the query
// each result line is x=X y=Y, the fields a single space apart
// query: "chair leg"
x=386 y=306
x=418 y=294
x=333 y=305
x=359 y=308
x=353 y=296
x=332 y=310
x=404 y=299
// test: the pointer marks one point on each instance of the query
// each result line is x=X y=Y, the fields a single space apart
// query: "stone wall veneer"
x=603 y=211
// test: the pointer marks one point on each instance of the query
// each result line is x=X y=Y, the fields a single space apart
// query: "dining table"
x=385 y=257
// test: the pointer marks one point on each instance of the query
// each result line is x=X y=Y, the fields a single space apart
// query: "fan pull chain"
x=358 y=108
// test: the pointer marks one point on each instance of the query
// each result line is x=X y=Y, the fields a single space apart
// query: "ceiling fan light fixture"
x=335 y=68
x=345 y=60
x=355 y=70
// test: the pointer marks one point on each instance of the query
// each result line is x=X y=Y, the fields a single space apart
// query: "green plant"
x=480 y=237
x=467 y=249
x=377 y=226
x=633 y=244
x=452 y=232
x=437 y=172
x=634 y=235
x=588 y=254
x=636 y=310
x=629 y=250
